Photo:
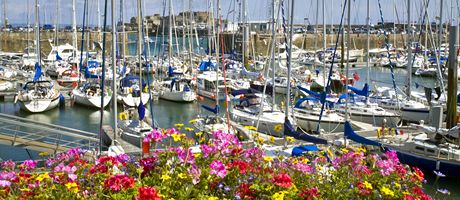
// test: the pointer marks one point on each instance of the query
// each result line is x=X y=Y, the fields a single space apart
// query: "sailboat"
x=129 y=91
x=253 y=109
x=177 y=89
x=90 y=93
x=38 y=95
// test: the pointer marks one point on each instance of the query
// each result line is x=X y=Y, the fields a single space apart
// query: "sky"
x=305 y=12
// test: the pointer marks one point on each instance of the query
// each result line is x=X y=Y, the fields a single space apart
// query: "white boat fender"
x=15 y=98
x=438 y=163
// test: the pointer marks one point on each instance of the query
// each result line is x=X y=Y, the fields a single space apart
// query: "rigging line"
x=332 y=66
x=387 y=46
x=224 y=67
x=103 y=78
x=147 y=63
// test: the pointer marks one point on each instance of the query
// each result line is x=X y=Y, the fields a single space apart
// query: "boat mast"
x=217 y=55
x=368 y=26
x=272 y=50
x=56 y=23
x=324 y=45
x=170 y=44
x=98 y=21
x=114 y=71
x=139 y=43
x=288 y=88
x=123 y=32
x=37 y=31
x=190 y=35
x=409 y=53
x=348 y=63
x=245 y=49
x=74 y=32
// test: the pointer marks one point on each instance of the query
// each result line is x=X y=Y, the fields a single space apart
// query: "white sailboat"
x=38 y=95
x=177 y=89
x=89 y=94
x=129 y=91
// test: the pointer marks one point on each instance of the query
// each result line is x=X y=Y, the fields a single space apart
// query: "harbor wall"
x=18 y=41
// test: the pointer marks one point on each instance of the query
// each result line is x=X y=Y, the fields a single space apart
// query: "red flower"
x=244 y=191
x=103 y=164
x=237 y=151
x=241 y=165
x=418 y=175
x=283 y=180
x=363 y=190
x=119 y=182
x=147 y=193
x=310 y=193
x=408 y=197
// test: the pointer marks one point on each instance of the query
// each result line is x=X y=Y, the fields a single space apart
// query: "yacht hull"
x=178 y=96
x=428 y=164
x=39 y=105
x=91 y=101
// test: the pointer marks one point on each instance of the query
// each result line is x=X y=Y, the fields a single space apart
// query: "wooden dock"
x=108 y=138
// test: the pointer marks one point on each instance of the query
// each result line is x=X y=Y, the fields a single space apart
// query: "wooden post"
x=452 y=77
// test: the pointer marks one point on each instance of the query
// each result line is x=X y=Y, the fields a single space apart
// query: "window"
x=430 y=151
x=419 y=148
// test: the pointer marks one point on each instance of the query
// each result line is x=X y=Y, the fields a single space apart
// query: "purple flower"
x=443 y=191
x=218 y=168
x=155 y=136
x=7 y=176
x=72 y=177
x=206 y=150
x=4 y=183
x=439 y=174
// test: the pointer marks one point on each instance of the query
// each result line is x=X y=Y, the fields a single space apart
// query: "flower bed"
x=223 y=169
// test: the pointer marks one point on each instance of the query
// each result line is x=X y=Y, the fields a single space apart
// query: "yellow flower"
x=387 y=192
x=43 y=154
x=272 y=139
x=165 y=177
x=72 y=186
x=42 y=177
x=397 y=185
x=213 y=198
x=193 y=121
x=260 y=140
x=176 y=137
x=344 y=150
x=188 y=129
x=305 y=160
x=367 y=185
x=361 y=149
x=268 y=158
x=198 y=134
x=202 y=139
x=178 y=125
x=251 y=128
x=278 y=128
x=290 y=139
x=279 y=195
x=182 y=176
x=197 y=155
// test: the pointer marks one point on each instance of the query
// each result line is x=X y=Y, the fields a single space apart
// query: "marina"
x=187 y=85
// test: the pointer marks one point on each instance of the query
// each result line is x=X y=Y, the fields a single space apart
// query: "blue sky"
x=17 y=10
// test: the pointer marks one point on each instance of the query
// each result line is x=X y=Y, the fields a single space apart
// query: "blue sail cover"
x=130 y=81
x=300 y=101
x=207 y=66
x=350 y=134
x=298 y=151
x=171 y=72
x=141 y=110
x=289 y=131
x=309 y=92
x=214 y=110
x=364 y=92
x=38 y=72
x=91 y=65
x=173 y=81
x=244 y=91
x=58 y=58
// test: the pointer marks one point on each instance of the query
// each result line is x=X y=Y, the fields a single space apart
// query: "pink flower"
x=218 y=168
x=8 y=165
x=155 y=136
x=206 y=150
x=4 y=183
x=29 y=164
x=7 y=176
